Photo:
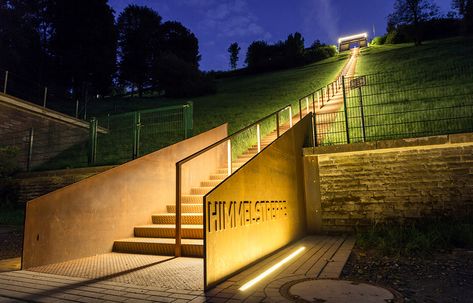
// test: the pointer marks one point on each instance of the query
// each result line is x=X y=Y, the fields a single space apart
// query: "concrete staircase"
x=159 y=237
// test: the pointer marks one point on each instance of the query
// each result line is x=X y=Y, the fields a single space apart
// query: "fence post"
x=136 y=134
x=188 y=119
x=363 y=129
x=346 y=110
x=30 y=149
x=307 y=104
x=77 y=108
x=290 y=116
x=92 y=140
x=45 y=96
x=5 y=83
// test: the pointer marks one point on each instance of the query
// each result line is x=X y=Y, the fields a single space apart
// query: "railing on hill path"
x=110 y=140
x=227 y=142
x=400 y=104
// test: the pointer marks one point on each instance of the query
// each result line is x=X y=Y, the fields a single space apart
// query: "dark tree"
x=258 y=55
x=234 y=50
x=180 y=41
x=83 y=43
x=413 y=12
x=294 y=49
x=465 y=9
x=21 y=50
x=138 y=41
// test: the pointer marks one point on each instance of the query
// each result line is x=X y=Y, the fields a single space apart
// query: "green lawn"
x=410 y=92
x=240 y=101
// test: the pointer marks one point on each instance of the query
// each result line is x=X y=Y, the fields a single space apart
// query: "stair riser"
x=198 y=208
x=210 y=183
x=194 y=251
x=200 y=190
x=172 y=219
x=192 y=200
x=187 y=233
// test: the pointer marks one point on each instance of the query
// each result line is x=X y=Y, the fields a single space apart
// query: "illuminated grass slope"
x=414 y=85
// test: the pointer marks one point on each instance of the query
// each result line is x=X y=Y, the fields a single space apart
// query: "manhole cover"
x=338 y=291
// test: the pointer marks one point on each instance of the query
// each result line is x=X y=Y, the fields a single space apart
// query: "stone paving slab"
x=108 y=285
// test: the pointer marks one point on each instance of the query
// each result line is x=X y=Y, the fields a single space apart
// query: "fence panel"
x=397 y=104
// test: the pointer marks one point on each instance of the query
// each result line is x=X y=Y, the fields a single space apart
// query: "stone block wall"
x=361 y=188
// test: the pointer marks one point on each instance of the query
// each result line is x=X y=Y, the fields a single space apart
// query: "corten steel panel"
x=312 y=194
x=276 y=174
x=85 y=218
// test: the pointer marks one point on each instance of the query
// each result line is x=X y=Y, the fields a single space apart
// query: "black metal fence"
x=111 y=140
x=399 y=104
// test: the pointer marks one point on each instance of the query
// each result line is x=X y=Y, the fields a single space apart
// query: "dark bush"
x=430 y=30
x=379 y=40
x=182 y=79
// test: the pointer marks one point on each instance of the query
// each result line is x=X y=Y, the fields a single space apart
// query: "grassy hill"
x=410 y=92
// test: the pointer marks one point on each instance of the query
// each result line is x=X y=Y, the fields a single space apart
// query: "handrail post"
x=30 y=149
x=363 y=128
x=346 y=110
x=45 y=96
x=315 y=130
x=229 y=156
x=258 y=136
x=290 y=117
x=177 y=247
x=322 y=93
x=277 y=124
x=300 y=109
x=5 y=83
x=77 y=108
x=307 y=104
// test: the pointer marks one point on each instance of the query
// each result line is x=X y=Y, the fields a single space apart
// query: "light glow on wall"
x=359 y=36
x=271 y=269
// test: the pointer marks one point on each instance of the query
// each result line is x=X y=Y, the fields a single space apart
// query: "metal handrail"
x=228 y=139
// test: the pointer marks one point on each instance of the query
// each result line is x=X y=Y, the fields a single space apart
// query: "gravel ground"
x=444 y=276
x=11 y=242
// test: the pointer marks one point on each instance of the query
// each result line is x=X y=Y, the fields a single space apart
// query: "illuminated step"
x=159 y=246
x=210 y=183
x=169 y=231
x=186 y=208
x=200 y=190
x=218 y=176
x=192 y=199
x=187 y=218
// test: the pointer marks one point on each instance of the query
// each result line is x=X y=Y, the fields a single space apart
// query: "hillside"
x=409 y=92
x=243 y=100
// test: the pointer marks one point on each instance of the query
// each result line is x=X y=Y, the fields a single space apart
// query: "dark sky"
x=217 y=23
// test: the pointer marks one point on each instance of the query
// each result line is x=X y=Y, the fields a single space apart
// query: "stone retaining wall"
x=391 y=180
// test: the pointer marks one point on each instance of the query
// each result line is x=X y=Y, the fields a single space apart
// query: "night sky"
x=217 y=23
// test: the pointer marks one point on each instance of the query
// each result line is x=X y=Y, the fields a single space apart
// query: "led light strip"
x=271 y=269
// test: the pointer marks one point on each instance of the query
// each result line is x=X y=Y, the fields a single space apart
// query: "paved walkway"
x=323 y=257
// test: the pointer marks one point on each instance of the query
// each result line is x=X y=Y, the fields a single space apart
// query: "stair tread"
x=162 y=241
x=183 y=214
x=184 y=226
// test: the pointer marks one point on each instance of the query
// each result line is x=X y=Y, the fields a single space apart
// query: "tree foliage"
x=465 y=9
x=262 y=56
x=138 y=41
x=413 y=12
x=234 y=51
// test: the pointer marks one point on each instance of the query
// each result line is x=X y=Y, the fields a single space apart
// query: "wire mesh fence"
x=109 y=140
x=397 y=104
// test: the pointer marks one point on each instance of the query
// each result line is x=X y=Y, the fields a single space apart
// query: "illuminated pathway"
x=322 y=257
